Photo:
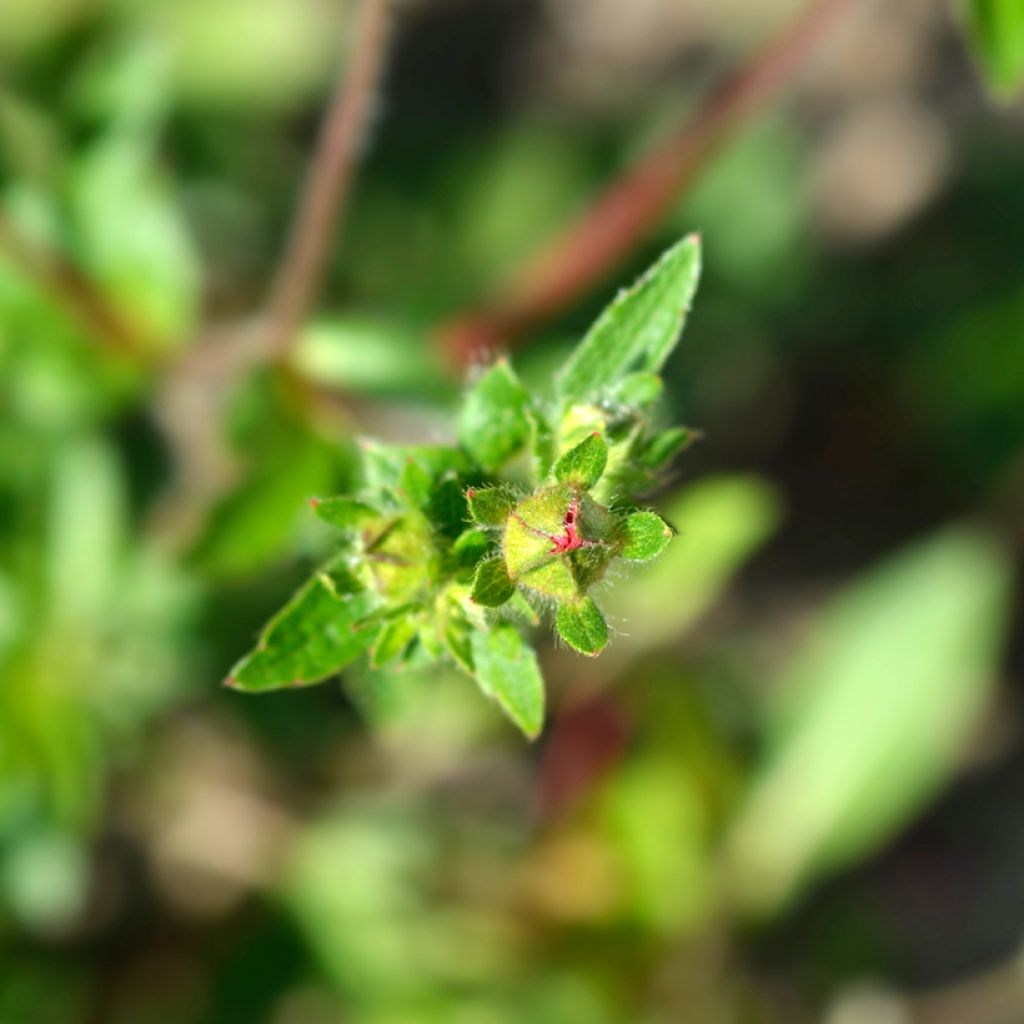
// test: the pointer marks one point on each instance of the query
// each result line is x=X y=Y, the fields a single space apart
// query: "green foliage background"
x=787 y=791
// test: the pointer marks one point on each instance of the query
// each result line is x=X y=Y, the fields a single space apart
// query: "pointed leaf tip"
x=646 y=535
x=638 y=330
x=585 y=464
x=507 y=671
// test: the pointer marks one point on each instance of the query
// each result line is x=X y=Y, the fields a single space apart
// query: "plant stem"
x=619 y=219
x=81 y=298
x=329 y=182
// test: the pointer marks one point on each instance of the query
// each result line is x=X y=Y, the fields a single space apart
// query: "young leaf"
x=507 y=670
x=447 y=507
x=416 y=483
x=646 y=536
x=584 y=464
x=998 y=30
x=491 y=585
x=494 y=424
x=638 y=331
x=312 y=637
x=489 y=506
x=636 y=390
x=664 y=446
x=458 y=639
x=581 y=625
x=343 y=513
x=392 y=640
x=470 y=547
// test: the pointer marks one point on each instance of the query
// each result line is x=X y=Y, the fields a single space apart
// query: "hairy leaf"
x=489 y=506
x=646 y=536
x=507 y=670
x=584 y=464
x=491 y=585
x=638 y=331
x=582 y=626
x=312 y=637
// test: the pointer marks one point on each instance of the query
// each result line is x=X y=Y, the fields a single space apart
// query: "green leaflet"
x=581 y=625
x=491 y=584
x=638 y=331
x=507 y=670
x=583 y=465
x=393 y=640
x=489 y=506
x=664 y=446
x=312 y=637
x=646 y=536
x=343 y=513
x=495 y=423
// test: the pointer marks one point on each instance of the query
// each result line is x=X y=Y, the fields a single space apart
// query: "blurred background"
x=791 y=791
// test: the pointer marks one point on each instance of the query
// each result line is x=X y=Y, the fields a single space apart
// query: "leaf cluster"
x=451 y=552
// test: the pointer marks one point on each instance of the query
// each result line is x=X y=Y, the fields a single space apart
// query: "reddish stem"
x=618 y=221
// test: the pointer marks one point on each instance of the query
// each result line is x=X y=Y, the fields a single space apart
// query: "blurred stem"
x=620 y=218
x=80 y=297
x=329 y=182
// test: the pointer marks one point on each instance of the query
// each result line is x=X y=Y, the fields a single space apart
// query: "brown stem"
x=330 y=178
x=587 y=250
x=79 y=296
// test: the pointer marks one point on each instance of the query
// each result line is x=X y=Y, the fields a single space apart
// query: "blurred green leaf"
x=369 y=355
x=132 y=237
x=875 y=713
x=226 y=54
x=494 y=422
x=997 y=27
x=86 y=530
x=506 y=669
x=638 y=331
x=314 y=636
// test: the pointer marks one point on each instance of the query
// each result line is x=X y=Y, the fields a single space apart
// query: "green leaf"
x=581 y=625
x=447 y=508
x=646 y=536
x=507 y=671
x=470 y=547
x=343 y=513
x=458 y=639
x=584 y=464
x=393 y=640
x=489 y=506
x=416 y=484
x=638 y=331
x=494 y=423
x=636 y=391
x=491 y=584
x=312 y=637
x=873 y=714
x=663 y=447
x=997 y=27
